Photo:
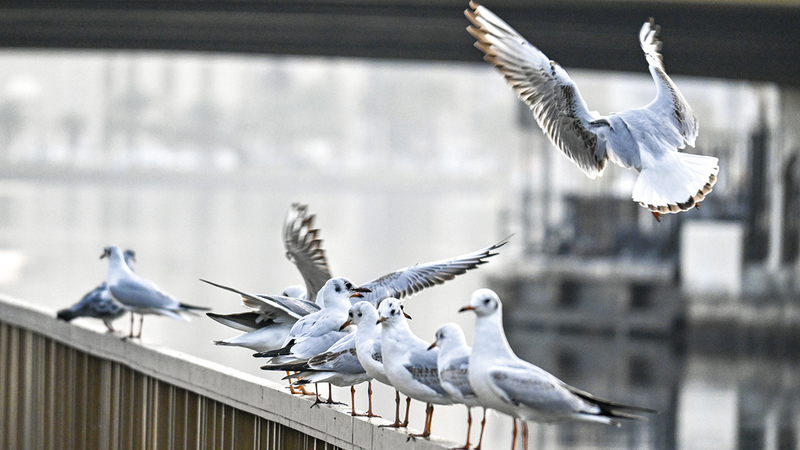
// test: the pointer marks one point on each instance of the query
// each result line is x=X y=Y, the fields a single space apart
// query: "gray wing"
x=533 y=387
x=343 y=361
x=422 y=366
x=457 y=375
x=377 y=351
x=245 y=321
x=545 y=87
x=272 y=306
x=304 y=249
x=142 y=295
x=409 y=281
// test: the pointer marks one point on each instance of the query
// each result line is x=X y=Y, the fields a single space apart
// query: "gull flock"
x=332 y=330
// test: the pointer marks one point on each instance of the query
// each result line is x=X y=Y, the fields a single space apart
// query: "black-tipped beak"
x=432 y=346
x=361 y=289
x=357 y=295
x=381 y=320
x=407 y=315
x=466 y=308
x=345 y=325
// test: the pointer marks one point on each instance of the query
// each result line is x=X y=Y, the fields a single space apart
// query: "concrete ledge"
x=239 y=390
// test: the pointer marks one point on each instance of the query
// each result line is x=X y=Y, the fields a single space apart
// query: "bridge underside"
x=708 y=39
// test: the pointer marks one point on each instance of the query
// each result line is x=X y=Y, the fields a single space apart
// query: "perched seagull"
x=368 y=350
x=138 y=294
x=647 y=139
x=315 y=333
x=98 y=303
x=526 y=392
x=453 y=366
x=410 y=366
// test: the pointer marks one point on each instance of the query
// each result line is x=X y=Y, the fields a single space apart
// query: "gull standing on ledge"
x=98 y=303
x=515 y=387
x=410 y=366
x=138 y=294
x=647 y=139
x=454 y=372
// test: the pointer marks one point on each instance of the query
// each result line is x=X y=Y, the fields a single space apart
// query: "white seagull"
x=315 y=333
x=410 y=366
x=138 y=294
x=368 y=350
x=453 y=366
x=505 y=383
x=98 y=303
x=647 y=139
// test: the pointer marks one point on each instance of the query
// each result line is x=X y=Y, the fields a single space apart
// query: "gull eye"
x=348 y=285
x=351 y=314
x=393 y=311
x=487 y=301
x=359 y=314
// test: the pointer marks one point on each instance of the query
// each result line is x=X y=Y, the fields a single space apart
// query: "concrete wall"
x=64 y=387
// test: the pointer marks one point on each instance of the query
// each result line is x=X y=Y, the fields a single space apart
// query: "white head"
x=484 y=302
x=295 y=291
x=361 y=312
x=337 y=292
x=448 y=336
x=113 y=253
x=130 y=258
x=391 y=311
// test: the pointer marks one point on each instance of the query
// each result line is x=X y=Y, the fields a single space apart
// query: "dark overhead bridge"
x=747 y=40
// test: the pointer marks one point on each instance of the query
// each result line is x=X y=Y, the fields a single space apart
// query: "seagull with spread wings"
x=646 y=139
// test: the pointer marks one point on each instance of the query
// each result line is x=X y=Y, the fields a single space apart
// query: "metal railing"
x=66 y=387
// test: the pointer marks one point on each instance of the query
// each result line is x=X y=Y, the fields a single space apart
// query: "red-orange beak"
x=466 y=308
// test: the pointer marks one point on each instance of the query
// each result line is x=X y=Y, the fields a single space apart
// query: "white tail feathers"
x=677 y=183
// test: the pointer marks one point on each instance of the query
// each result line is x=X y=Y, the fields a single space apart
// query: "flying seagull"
x=647 y=139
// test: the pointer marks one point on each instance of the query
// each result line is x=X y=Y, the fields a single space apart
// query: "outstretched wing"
x=669 y=102
x=272 y=306
x=544 y=86
x=304 y=249
x=409 y=281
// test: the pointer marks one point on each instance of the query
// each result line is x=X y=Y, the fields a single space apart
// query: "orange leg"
x=524 y=435
x=514 y=439
x=426 y=433
x=483 y=424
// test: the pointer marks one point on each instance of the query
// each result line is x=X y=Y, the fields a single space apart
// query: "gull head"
x=111 y=251
x=338 y=291
x=361 y=312
x=484 y=302
x=390 y=311
x=130 y=257
x=448 y=336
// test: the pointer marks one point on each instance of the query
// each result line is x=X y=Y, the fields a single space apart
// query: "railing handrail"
x=237 y=389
